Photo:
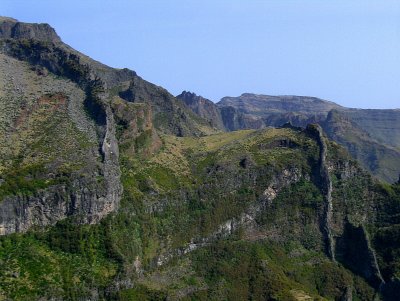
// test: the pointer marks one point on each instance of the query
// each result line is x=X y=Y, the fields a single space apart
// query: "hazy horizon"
x=346 y=52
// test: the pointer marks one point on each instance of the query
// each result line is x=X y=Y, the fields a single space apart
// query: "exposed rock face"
x=88 y=191
x=112 y=172
x=203 y=107
x=233 y=120
x=12 y=29
x=381 y=159
x=248 y=219
x=382 y=125
x=169 y=114
x=82 y=198
x=137 y=134
x=345 y=232
x=263 y=105
x=359 y=255
x=325 y=183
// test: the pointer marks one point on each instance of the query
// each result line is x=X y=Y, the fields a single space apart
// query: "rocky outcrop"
x=325 y=183
x=136 y=133
x=226 y=118
x=112 y=172
x=204 y=108
x=350 y=245
x=170 y=115
x=234 y=119
x=12 y=29
x=82 y=199
x=381 y=159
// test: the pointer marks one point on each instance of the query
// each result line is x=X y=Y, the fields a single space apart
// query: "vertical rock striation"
x=325 y=183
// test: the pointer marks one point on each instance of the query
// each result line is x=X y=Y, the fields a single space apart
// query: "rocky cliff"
x=54 y=150
x=204 y=108
x=12 y=29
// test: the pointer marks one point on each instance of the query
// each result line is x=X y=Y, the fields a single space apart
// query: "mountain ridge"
x=381 y=126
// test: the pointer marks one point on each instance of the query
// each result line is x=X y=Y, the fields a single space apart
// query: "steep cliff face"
x=381 y=159
x=12 y=29
x=234 y=120
x=382 y=125
x=324 y=181
x=136 y=133
x=53 y=154
x=204 y=108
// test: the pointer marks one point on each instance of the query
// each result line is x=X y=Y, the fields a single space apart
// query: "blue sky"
x=344 y=51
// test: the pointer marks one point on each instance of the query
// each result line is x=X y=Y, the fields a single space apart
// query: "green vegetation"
x=24 y=181
x=185 y=191
x=386 y=233
x=142 y=293
x=272 y=271
x=66 y=261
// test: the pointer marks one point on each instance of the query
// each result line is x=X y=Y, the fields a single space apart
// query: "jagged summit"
x=203 y=107
x=187 y=94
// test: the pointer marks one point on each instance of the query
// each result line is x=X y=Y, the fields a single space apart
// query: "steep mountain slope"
x=225 y=118
x=212 y=218
x=113 y=189
x=203 y=107
x=382 y=125
x=371 y=136
x=53 y=155
x=382 y=160
x=58 y=129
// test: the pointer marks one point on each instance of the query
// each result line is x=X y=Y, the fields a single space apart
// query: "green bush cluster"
x=24 y=180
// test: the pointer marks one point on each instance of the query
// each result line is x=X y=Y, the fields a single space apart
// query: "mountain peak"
x=188 y=95
x=13 y=29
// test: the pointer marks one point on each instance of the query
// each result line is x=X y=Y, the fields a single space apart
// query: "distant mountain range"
x=371 y=136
